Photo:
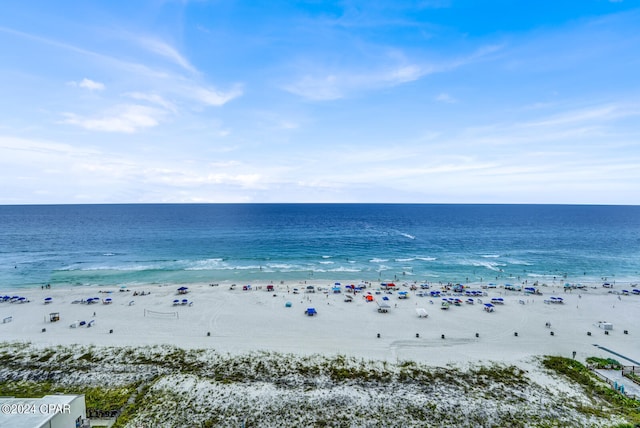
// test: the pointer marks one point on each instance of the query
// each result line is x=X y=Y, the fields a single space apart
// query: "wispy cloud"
x=446 y=98
x=339 y=83
x=213 y=97
x=167 y=51
x=125 y=118
x=154 y=99
x=89 y=84
x=589 y=115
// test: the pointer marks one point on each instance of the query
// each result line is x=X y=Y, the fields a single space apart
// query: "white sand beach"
x=236 y=321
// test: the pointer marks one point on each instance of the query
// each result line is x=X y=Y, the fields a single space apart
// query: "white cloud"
x=323 y=88
x=336 y=84
x=446 y=98
x=125 y=118
x=405 y=74
x=88 y=84
x=213 y=97
x=91 y=85
x=587 y=116
x=154 y=99
x=163 y=49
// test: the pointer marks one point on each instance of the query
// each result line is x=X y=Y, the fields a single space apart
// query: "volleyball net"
x=156 y=314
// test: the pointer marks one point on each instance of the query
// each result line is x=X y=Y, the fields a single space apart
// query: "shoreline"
x=533 y=281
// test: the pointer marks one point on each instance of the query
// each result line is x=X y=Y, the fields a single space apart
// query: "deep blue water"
x=141 y=244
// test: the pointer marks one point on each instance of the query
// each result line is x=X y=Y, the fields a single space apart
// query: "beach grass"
x=605 y=400
x=169 y=386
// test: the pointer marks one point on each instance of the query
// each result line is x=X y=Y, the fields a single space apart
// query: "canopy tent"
x=383 y=306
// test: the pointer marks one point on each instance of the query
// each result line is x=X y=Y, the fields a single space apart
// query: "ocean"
x=209 y=243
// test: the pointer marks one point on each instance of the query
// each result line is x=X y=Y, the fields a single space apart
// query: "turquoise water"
x=142 y=244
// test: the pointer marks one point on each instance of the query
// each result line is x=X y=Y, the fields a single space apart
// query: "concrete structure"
x=50 y=411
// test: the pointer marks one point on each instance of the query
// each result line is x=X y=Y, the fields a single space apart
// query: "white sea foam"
x=238 y=267
x=490 y=256
x=282 y=266
x=406 y=235
x=426 y=259
x=344 y=269
x=207 y=264
x=376 y=260
x=519 y=262
x=410 y=259
x=326 y=257
x=491 y=266
x=326 y=263
x=495 y=266
x=89 y=268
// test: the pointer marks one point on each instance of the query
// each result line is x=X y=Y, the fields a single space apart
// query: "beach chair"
x=310 y=312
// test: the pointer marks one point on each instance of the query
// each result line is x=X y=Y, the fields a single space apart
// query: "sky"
x=222 y=101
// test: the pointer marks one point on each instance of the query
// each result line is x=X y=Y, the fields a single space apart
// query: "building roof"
x=31 y=412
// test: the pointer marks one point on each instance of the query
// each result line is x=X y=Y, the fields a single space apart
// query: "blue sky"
x=433 y=101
